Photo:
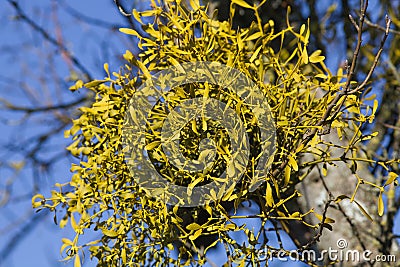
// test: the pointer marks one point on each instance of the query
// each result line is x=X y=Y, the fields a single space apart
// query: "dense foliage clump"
x=307 y=102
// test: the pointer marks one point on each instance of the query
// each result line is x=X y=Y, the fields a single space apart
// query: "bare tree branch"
x=11 y=106
x=21 y=14
x=89 y=20
x=17 y=238
x=379 y=27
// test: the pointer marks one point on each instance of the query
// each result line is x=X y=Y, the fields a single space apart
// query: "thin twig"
x=317 y=237
x=376 y=59
x=121 y=8
x=21 y=14
x=125 y=13
x=44 y=109
x=19 y=236
x=350 y=74
x=339 y=97
x=391 y=126
x=89 y=20
x=353 y=22
x=379 y=27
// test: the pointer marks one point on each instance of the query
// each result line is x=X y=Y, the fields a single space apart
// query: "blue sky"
x=27 y=63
